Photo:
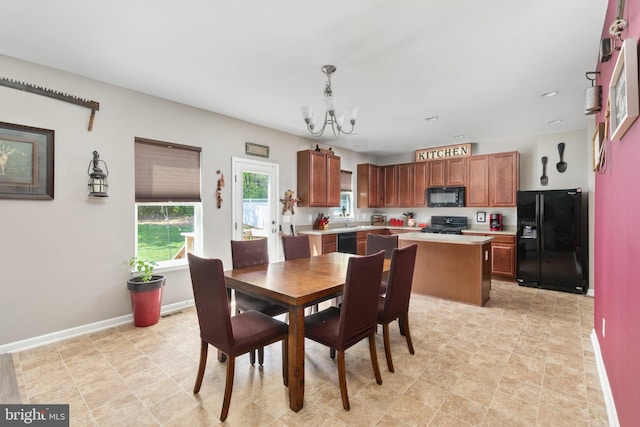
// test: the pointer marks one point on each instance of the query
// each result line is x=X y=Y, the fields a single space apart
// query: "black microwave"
x=445 y=197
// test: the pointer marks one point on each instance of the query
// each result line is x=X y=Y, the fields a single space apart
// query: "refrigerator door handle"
x=541 y=221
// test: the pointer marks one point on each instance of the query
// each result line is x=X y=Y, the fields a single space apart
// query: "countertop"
x=508 y=231
x=459 y=239
x=353 y=229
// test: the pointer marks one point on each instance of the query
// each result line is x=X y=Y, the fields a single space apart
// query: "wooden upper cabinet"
x=390 y=195
x=405 y=189
x=448 y=173
x=420 y=183
x=318 y=179
x=477 y=193
x=333 y=180
x=456 y=172
x=493 y=180
x=437 y=173
x=504 y=179
x=369 y=186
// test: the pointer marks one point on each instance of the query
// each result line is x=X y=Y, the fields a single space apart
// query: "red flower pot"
x=146 y=300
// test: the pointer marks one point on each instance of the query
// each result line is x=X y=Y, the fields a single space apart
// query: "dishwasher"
x=347 y=243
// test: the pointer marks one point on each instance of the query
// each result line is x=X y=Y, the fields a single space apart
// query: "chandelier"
x=330 y=118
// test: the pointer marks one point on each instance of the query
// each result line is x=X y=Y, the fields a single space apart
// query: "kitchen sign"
x=439 y=153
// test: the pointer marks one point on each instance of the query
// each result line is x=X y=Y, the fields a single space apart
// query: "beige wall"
x=64 y=261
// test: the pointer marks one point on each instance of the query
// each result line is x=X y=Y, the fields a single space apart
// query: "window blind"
x=166 y=172
x=345 y=180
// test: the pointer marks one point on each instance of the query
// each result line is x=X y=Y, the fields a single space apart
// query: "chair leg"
x=261 y=356
x=285 y=361
x=332 y=353
x=204 y=348
x=374 y=357
x=252 y=357
x=387 y=346
x=404 y=321
x=401 y=328
x=228 y=388
x=342 y=378
x=221 y=357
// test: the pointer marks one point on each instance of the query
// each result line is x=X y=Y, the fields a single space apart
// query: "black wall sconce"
x=98 y=184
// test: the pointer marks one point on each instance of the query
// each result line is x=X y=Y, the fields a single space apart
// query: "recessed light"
x=549 y=94
x=432 y=118
x=459 y=136
x=554 y=122
x=389 y=146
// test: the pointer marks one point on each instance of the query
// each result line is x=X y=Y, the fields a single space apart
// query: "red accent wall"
x=617 y=247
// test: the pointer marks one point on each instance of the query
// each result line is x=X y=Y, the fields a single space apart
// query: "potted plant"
x=411 y=218
x=146 y=292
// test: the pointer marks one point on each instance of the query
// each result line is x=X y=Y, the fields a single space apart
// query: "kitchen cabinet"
x=318 y=179
x=493 y=180
x=504 y=179
x=405 y=174
x=448 y=173
x=361 y=241
x=323 y=244
x=503 y=253
x=389 y=191
x=477 y=191
x=420 y=183
x=370 y=186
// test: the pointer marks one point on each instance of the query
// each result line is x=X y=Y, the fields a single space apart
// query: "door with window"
x=255 y=202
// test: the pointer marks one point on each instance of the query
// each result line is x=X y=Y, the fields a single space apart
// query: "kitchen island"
x=451 y=266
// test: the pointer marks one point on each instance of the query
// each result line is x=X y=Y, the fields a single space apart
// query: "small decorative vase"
x=411 y=222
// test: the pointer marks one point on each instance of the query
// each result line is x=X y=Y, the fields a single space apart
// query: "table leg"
x=296 y=358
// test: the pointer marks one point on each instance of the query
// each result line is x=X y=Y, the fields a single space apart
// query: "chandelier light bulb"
x=307 y=112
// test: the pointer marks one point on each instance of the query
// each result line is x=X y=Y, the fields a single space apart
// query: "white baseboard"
x=604 y=382
x=84 y=329
x=591 y=293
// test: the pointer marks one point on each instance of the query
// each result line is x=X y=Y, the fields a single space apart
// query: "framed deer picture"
x=26 y=162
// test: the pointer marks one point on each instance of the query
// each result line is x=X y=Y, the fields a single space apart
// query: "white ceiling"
x=479 y=65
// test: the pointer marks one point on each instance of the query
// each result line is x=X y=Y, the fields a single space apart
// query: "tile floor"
x=523 y=360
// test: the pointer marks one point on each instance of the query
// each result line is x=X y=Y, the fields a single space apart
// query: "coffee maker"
x=495 y=221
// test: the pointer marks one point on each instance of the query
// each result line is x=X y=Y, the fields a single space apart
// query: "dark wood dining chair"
x=395 y=303
x=296 y=247
x=247 y=253
x=235 y=335
x=341 y=328
x=375 y=243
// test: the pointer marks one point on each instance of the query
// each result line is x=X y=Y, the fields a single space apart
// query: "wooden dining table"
x=296 y=284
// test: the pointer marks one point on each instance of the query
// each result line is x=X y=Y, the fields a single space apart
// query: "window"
x=168 y=208
x=346 y=196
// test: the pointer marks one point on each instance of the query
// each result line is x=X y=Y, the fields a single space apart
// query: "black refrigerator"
x=552 y=243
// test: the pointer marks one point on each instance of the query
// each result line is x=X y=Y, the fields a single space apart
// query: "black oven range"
x=447 y=225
